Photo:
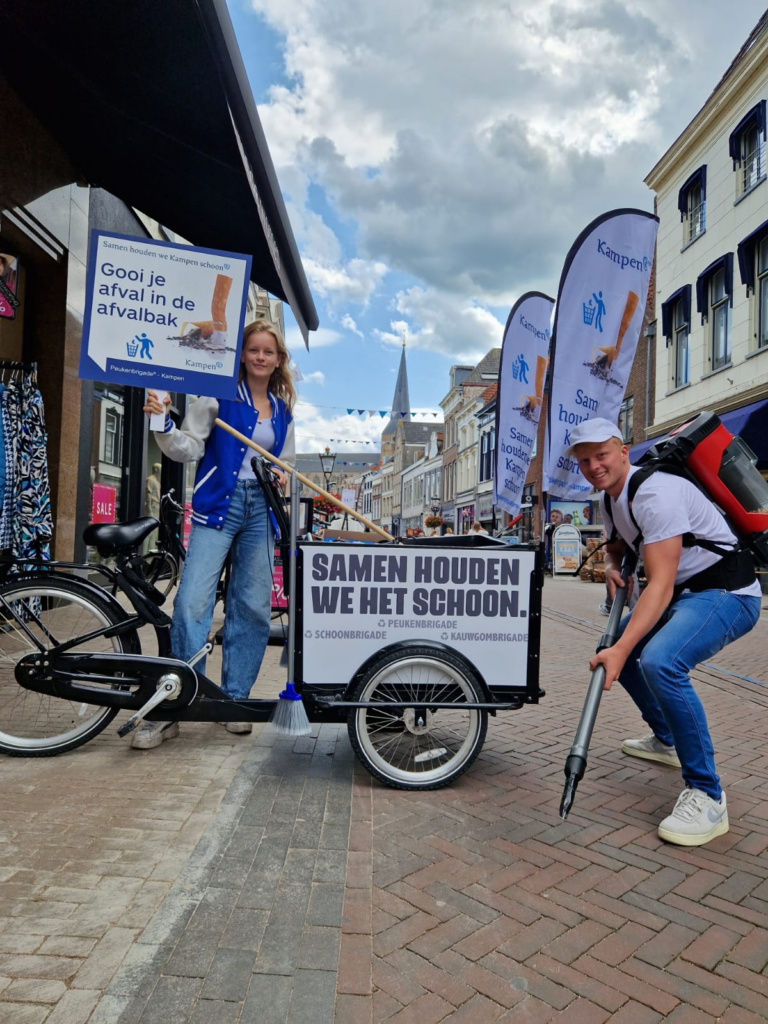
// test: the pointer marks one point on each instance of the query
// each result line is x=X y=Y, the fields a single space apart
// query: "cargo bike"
x=412 y=645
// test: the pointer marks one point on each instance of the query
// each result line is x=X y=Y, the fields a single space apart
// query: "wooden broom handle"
x=629 y=311
x=301 y=478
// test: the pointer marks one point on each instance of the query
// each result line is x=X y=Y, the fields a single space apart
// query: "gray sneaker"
x=152 y=734
x=652 y=749
x=696 y=819
x=241 y=728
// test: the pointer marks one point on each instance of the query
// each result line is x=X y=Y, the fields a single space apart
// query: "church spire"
x=401 y=403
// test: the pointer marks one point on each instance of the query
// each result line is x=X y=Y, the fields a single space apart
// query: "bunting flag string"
x=383 y=413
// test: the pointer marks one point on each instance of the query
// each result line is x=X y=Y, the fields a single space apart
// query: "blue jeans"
x=695 y=627
x=248 y=533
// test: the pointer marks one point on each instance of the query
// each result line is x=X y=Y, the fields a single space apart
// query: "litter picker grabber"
x=302 y=479
x=576 y=762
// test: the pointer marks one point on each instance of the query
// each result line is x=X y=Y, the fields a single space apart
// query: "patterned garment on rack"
x=7 y=458
x=32 y=523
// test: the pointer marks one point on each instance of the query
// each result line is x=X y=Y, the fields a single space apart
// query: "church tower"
x=401 y=403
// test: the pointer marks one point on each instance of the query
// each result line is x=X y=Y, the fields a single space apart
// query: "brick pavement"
x=475 y=903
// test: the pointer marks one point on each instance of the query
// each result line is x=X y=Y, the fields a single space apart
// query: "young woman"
x=229 y=512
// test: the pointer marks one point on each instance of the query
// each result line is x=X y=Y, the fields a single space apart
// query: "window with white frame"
x=692 y=202
x=746 y=146
x=113 y=436
x=720 y=321
x=752 y=159
x=681 y=329
x=627 y=418
x=762 y=293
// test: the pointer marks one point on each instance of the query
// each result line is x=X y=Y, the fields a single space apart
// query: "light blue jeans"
x=694 y=629
x=248 y=533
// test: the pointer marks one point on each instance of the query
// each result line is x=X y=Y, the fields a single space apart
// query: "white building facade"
x=712 y=258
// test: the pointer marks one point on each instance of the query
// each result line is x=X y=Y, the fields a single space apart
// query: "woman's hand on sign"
x=152 y=406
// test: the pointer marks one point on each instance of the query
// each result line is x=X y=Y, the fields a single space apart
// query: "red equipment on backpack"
x=725 y=469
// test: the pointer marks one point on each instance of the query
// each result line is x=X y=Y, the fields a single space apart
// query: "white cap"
x=593 y=432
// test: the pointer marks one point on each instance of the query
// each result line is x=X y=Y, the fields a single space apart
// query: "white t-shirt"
x=264 y=436
x=669 y=506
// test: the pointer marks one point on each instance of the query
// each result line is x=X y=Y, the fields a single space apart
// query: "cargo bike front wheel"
x=418 y=746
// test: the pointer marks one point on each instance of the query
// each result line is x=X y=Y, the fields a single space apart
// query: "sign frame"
x=155 y=374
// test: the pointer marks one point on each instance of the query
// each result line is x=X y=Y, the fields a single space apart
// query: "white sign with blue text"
x=600 y=305
x=357 y=600
x=524 y=358
x=164 y=316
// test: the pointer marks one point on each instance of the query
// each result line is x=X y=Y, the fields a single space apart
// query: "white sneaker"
x=652 y=749
x=604 y=609
x=152 y=734
x=238 y=727
x=695 y=819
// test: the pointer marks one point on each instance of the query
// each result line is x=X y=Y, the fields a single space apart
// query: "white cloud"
x=457 y=328
x=342 y=283
x=471 y=141
x=315 y=428
x=321 y=338
x=350 y=325
x=318 y=377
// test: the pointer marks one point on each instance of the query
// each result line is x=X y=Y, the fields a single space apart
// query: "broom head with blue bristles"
x=290 y=717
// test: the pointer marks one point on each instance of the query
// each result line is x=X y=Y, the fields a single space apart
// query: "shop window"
x=626 y=419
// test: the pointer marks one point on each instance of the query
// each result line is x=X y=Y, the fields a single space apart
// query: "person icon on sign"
x=600 y=310
x=523 y=369
x=146 y=345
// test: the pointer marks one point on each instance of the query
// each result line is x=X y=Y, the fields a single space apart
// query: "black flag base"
x=576 y=762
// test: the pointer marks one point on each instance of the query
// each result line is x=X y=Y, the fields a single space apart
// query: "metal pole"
x=576 y=762
x=293 y=534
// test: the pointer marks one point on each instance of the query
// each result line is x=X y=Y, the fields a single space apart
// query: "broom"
x=290 y=717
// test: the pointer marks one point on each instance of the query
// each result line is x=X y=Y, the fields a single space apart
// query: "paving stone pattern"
x=234 y=879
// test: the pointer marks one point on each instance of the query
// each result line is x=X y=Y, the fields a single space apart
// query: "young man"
x=695 y=603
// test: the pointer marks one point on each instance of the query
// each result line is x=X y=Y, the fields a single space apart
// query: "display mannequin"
x=152 y=492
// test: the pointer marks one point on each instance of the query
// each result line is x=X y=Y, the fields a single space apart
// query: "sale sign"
x=104 y=504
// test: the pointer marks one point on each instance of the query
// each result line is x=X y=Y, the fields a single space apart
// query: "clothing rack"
x=11 y=364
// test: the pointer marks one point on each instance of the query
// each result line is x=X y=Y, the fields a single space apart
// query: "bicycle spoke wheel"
x=35 y=724
x=162 y=570
x=418 y=747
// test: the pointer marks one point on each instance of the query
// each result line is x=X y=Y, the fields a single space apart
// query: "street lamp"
x=327 y=462
x=435 y=506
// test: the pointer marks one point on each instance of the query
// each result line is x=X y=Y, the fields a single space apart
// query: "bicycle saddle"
x=109 y=538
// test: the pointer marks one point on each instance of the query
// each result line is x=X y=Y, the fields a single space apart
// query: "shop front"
x=118 y=138
x=465 y=516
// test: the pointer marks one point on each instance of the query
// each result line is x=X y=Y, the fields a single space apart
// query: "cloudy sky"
x=439 y=157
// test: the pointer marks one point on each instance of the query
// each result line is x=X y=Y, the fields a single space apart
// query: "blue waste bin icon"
x=589 y=312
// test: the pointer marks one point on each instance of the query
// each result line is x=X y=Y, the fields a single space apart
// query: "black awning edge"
x=725 y=263
x=745 y=251
x=668 y=305
x=754 y=118
x=257 y=163
x=699 y=177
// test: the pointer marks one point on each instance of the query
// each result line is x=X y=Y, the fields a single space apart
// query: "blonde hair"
x=281 y=382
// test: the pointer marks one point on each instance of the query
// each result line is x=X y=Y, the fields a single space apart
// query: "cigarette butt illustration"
x=214 y=331
x=532 y=402
x=610 y=353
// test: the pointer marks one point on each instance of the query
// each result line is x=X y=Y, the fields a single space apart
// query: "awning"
x=667 y=308
x=724 y=263
x=754 y=118
x=745 y=251
x=699 y=177
x=150 y=100
x=750 y=422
